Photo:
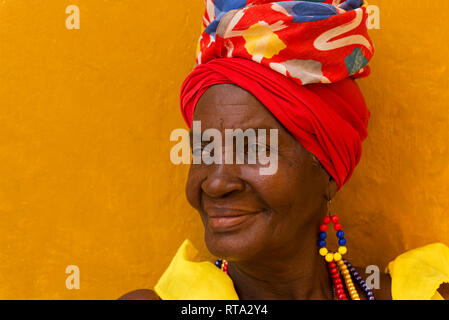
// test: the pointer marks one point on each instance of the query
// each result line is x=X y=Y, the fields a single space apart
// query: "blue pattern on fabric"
x=307 y=11
x=355 y=61
x=221 y=8
x=349 y=5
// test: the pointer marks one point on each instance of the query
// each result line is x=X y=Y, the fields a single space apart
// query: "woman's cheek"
x=271 y=189
x=193 y=187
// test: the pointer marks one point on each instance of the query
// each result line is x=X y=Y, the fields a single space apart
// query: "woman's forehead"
x=229 y=106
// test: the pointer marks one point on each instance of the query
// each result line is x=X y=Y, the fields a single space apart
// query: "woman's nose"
x=222 y=181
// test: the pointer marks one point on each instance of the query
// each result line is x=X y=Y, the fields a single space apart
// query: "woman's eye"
x=200 y=151
x=197 y=150
x=262 y=148
x=208 y=151
x=254 y=148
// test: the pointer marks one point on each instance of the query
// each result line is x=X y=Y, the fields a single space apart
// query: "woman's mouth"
x=226 y=220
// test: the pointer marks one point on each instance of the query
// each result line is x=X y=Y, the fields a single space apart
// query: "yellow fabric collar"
x=187 y=279
x=416 y=275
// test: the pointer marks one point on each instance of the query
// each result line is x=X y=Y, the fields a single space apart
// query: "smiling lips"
x=226 y=219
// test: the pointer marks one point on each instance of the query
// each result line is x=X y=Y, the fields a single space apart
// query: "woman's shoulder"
x=142 y=294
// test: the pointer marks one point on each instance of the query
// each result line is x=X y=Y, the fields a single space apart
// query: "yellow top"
x=416 y=275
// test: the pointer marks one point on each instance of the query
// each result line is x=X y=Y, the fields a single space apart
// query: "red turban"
x=329 y=120
x=297 y=58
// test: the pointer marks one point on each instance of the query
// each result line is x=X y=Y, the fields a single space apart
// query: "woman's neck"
x=301 y=276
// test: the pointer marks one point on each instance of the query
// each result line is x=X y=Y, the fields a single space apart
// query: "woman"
x=287 y=66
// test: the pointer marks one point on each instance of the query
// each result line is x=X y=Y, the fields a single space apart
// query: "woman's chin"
x=231 y=246
x=237 y=240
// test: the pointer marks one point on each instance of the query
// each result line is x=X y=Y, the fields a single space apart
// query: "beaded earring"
x=340 y=269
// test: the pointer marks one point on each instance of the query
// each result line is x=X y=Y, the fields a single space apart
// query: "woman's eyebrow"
x=243 y=128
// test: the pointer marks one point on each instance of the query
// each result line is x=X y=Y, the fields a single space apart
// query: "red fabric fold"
x=329 y=120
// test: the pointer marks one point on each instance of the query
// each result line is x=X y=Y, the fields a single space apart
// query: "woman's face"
x=247 y=215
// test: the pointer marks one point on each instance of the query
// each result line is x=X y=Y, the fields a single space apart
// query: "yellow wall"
x=85 y=118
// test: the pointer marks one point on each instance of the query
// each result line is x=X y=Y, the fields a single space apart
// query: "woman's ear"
x=332 y=188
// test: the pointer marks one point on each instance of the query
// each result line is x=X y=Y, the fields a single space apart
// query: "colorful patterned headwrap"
x=308 y=41
x=297 y=58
